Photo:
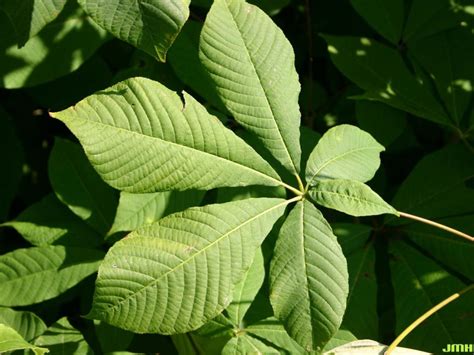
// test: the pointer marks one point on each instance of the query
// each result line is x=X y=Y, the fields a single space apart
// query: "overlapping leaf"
x=50 y=222
x=137 y=210
x=308 y=278
x=10 y=341
x=252 y=65
x=419 y=284
x=75 y=183
x=27 y=324
x=34 y=275
x=30 y=16
x=61 y=48
x=180 y=272
x=140 y=138
x=151 y=25
x=382 y=73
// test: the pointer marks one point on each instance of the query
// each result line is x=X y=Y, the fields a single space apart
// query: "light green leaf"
x=180 y=272
x=272 y=332
x=62 y=338
x=386 y=17
x=75 y=39
x=137 y=210
x=50 y=222
x=151 y=25
x=218 y=327
x=34 y=275
x=344 y=152
x=140 y=137
x=419 y=284
x=438 y=186
x=382 y=73
x=252 y=65
x=10 y=340
x=370 y=347
x=27 y=324
x=11 y=154
x=350 y=197
x=77 y=185
x=30 y=16
x=383 y=122
x=246 y=290
x=448 y=57
x=308 y=278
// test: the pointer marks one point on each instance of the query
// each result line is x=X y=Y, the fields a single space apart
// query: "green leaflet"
x=151 y=25
x=10 y=340
x=443 y=246
x=344 y=152
x=77 y=185
x=351 y=197
x=447 y=57
x=252 y=65
x=385 y=16
x=419 y=284
x=184 y=59
x=62 y=338
x=140 y=137
x=438 y=186
x=27 y=324
x=38 y=61
x=246 y=290
x=30 y=16
x=383 y=122
x=180 y=272
x=37 y=274
x=137 y=210
x=381 y=72
x=308 y=278
x=50 y=222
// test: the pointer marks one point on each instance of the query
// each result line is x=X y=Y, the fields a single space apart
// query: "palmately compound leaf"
x=344 y=152
x=77 y=185
x=30 y=16
x=308 y=278
x=351 y=197
x=33 y=275
x=252 y=65
x=177 y=274
x=10 y=340
x=151 y=25
x=141 y=137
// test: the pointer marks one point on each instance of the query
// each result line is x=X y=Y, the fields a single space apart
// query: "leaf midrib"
x=295 y=171
x=340 y=157
x=141 y=135
x=185 y=261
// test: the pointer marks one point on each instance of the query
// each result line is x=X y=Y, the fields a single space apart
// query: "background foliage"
x=401 y=70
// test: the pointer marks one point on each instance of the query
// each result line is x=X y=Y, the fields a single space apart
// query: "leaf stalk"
x=425 y=316
x=437 y=225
